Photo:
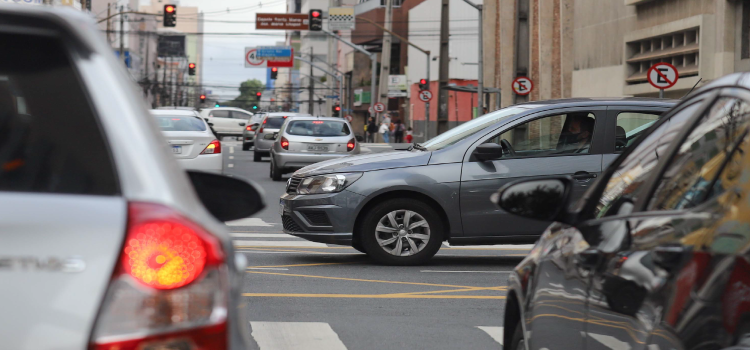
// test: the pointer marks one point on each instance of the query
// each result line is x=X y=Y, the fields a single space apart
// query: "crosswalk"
x=318 y=336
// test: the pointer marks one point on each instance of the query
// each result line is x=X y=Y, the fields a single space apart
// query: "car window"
x=274 y=123
x=257 y=119
x=180 y=123
x=687 y=179
x=221 y=113
x=241 y=115
x=630 y=125
x=626 y=181
x=50 y=140
x=317 y=128
x=562 y=134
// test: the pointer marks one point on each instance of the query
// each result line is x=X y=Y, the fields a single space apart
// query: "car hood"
x=367 y=162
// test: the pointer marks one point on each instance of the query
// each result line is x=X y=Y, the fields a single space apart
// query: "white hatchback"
x=190 y=140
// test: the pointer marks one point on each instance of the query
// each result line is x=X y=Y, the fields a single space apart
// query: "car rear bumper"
x=262 y=145
x=323 y=218
x=290 y=160
x=212 y=163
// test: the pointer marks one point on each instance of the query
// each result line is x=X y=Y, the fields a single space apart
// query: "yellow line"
x=455 y=290
x=296 y=251
x=297 y=265
x=372 y=296
x=364 y=280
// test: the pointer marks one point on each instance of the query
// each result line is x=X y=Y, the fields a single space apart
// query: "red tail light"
x=249 y=127
x=350 y=145
x=213 y=148
x=284 y=143
x=169 y=289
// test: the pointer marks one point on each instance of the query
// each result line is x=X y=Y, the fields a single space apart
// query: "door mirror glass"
x=488 y=151
x=226 y=198
x=541 y=199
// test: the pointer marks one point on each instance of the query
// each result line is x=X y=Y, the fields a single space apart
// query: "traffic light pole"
x=338 y=77
x=373 y=58
x=480 y=76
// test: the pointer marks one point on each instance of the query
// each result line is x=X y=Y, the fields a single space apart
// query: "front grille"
x=317 y=218
x=291 y=187
x=289 y=224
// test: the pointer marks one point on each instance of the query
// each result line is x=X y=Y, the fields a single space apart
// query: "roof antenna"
x=691 y=90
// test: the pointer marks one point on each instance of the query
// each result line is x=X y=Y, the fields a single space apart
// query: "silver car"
x=248 y=136
x=302 y=141
x=106 y=242
x=266 y=134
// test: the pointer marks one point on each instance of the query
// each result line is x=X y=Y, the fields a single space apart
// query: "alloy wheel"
x=402 y=232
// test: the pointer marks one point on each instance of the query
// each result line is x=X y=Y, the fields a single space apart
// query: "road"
x=313 y=296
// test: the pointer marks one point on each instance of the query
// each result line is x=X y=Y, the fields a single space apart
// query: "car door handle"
x=242 y=124
x=583 y=175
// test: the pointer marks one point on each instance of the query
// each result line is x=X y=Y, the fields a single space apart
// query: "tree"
x=247 y=95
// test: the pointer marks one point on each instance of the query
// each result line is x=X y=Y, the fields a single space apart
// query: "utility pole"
x=122 y=36
x=480 y=77
x=443 y=77
x=373 y=59
x=109 y=23
x=312 y=86
x=164 y=83
x=385 y=57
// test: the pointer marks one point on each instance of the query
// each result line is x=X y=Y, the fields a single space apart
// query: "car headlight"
x=327 y=183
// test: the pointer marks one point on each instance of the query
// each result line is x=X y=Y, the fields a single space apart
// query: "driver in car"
x=577 y=138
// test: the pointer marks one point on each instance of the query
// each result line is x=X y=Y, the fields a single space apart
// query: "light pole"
x=338 y=77
x=480 y=78
x=373 y=58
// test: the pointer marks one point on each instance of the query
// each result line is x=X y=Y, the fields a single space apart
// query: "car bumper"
x=289 y=160
x=324 y=218
x=212 y=163
x=248 y=137
x=263 y=146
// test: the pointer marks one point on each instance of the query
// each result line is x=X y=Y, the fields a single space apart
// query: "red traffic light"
x=315 y=14
x=338 y=108
x=169 y=9
x=274 y=69
x=192 y=65
x=423 y=81
x=258 y=93
x=203 y=97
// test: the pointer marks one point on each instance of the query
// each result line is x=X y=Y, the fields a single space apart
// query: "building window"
x=681 y=49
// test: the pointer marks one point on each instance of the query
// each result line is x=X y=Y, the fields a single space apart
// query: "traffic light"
x=316 y=20
x=203 y=98
x=274 y=73
x=254 y=106
x=258 y=94
x=336 y=110
x=191 y=69
x=170 y=15
x=424 y=85
x=217 y=105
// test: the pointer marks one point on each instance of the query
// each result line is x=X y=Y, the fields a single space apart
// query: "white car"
x=227 y=121
x=190 y=140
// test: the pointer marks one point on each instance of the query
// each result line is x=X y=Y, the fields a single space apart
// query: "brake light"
x=213 y=148
x=317 y=122
x=169 y=289
x=284 y=143
x=350 y=145
x=249 y=128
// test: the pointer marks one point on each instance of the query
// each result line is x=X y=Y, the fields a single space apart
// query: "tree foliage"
x=247 y=97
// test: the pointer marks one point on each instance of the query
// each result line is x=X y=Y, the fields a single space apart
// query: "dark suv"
x=656 y=254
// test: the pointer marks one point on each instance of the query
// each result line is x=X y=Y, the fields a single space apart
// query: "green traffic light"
x=217 y=105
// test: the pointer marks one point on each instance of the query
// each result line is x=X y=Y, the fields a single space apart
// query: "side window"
x=562 y=134
x=688 y=177
x=221 y=113
x=626 y=182
x=630 y=125
x=50 y=140
x=241 y=115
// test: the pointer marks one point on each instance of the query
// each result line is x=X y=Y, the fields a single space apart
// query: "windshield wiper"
x=418 y=146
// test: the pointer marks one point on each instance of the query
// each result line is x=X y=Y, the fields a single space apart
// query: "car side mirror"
x=543 y=199
x=210 y=124
x=269 y=136
x=226 y=198
x=488 y=151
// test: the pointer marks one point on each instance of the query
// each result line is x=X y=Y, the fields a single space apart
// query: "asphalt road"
x=313 y=296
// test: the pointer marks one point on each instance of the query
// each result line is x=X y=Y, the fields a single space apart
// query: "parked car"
x=105 y=238
x=655 y=254
x=190 y=140
x=248 y=136
x=302 y=141
x=399 y=207
x=227 y=121
x=265 y=136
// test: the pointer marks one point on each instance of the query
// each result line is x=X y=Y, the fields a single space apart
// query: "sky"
x=223 y=55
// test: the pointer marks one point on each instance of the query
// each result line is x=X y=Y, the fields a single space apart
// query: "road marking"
x=268 y=268
x=286 y=244
x=261 y=235
x=610 y=341
x=231 y=165
x=300 y=265
x=447 y=271
x=372 y=296
x=257 y=222
x=232 y=157
x=231 y=149
x=255 y=251
x=495 y=247
x=296 y=336
x=376 y=281
x=495 y=332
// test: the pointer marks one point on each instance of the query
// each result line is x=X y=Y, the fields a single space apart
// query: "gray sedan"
x=399 y=207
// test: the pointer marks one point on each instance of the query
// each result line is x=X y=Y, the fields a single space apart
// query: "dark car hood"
x=367 y=162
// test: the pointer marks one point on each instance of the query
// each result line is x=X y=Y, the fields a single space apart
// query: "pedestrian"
x=398 y=132
x=372 y=130
x=409 y=137
x=384 y=132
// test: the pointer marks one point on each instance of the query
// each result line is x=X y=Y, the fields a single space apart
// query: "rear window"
x=317 y=128
x=50 y=140
x=274 y=123
x=180 y=123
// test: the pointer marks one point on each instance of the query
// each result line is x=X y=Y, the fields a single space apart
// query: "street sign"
x=522 y=86
x=425 y=96
x=379 y=107
x=348 y=118
x=282 y=21
x=253 y=58
x=663 y=75
x=332 y=96
x=341 y=18
x=274 y=51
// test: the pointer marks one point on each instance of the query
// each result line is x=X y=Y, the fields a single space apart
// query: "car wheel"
x=257 y=157
x=518 y=343
x=246 y=146
x=402 y=232
x=358 y=246
x=275 y=171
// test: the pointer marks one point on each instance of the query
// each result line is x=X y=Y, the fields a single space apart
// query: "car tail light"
x=284 y=143
x=169 y=289
x=350 y=145
x=213 y=148
x=249 y=128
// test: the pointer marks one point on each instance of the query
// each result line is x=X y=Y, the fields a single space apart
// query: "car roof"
x=227 y=108
x=175 y=112
x=182 y=108
x=286 y=114
x=307 y=117
x=598 y=101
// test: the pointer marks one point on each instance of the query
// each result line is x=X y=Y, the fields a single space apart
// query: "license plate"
x=317 y=148
x=177 y=149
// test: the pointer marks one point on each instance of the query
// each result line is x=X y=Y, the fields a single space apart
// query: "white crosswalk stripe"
x=495 y=332
x=261 y=235
x=253 y=222
x=295 y=336
x=300 y=243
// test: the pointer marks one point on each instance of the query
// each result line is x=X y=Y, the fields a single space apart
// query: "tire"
x=376 y=243
x=358 y=247
x=518 y=343
x=257 y=156
x=275 y=171
x=246 y=146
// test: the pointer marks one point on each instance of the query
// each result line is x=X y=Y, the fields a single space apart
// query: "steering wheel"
x=508 y=147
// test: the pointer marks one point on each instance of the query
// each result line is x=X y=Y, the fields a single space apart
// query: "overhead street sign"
x=341 y=18
x=425 y=96
x=522 y=86
x=379 y=107
x=663 y=75
x=274 y=51
x=253 y=59
x=282 y=21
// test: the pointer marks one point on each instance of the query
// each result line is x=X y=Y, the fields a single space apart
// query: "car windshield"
x=274 y=123
x=317 y=128
x=471 y=127
x=180 y=123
